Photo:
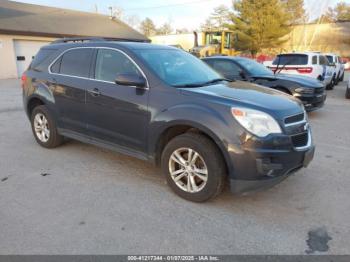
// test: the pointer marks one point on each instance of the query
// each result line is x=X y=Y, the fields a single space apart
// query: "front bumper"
x=258 y=169
x=312 y=102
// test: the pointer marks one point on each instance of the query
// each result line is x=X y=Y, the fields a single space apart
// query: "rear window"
x=291 y=59
x=76 y=62
x=330 y=58
x=41 y=57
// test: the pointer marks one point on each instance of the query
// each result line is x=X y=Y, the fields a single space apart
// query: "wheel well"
x=33 y=103
x=174 y=131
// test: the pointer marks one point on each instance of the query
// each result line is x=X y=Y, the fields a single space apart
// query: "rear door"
x=70 y=80
x=117 y=114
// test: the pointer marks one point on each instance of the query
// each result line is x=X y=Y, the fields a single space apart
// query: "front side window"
x=110 y=63
x=76 y=62
x=176 y=67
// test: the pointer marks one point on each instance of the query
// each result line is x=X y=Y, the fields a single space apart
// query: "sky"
x=181 y=13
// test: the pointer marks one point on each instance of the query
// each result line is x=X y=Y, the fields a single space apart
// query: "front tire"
x=347 y=94
x=44 y=128
x=330 y=86
x=193 y=167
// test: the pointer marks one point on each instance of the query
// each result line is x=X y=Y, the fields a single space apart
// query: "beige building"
x=24 y=28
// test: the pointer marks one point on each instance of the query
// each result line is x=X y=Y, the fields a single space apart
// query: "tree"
x=165 y=29
x=341 y=12
x=182 y=31
x=147 y=27
x=208 y=25
x=296 y=11
x=259 y=24
x=220 y=16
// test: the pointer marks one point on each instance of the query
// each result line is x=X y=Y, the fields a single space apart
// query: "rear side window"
x=41 y=57
x=76 y=62
x=323 y=60
x=314 y=60
x=291 y=59
x=330 y=58
x=110 y=63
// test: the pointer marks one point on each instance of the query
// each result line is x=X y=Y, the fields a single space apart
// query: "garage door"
x=25 y=52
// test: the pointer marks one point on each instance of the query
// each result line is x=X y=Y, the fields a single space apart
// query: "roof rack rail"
x=93 y=39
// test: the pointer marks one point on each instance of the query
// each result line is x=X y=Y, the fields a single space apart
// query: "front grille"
x=294 y=119
x=300 y=140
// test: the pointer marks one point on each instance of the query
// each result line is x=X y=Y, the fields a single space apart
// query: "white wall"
x=8 y=68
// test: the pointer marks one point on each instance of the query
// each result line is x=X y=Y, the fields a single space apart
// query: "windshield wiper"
x=217 y=80
x=190 y=85
x=213 y=81
x=284 y=65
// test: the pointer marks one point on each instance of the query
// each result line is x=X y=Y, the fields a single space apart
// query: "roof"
x=28 y=19
x=114 y=44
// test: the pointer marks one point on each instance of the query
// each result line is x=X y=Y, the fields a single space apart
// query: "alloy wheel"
x=188 y=170
x=41 y=127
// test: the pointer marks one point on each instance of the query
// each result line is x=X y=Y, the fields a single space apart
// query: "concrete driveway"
x=80 y=199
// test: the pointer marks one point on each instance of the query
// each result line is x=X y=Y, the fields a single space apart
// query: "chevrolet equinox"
x=161 y=104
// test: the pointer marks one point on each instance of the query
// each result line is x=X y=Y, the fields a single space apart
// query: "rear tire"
x=194 y=159
x=44 y=128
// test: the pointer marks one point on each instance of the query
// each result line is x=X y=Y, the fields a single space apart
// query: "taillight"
x=23 y=80
x=304 y=70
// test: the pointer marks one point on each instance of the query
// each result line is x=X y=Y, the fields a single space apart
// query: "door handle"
x=95 y=92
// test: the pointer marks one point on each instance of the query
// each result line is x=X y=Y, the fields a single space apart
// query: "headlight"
x=256 y=122
x=304 y=90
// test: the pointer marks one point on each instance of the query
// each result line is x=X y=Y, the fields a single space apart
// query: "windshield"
x=178 y=68
x=253 y=67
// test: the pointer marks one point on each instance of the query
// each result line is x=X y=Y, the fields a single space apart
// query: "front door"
x=117 y=114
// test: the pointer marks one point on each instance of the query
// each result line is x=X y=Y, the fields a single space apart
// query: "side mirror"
x=242 y=75
x=332 y=64
x=130 y=80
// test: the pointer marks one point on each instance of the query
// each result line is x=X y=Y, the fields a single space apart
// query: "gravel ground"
x=80 y=199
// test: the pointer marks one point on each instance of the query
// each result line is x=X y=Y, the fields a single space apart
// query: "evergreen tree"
x=296 y=11
x=259 y=24
x=220 y=16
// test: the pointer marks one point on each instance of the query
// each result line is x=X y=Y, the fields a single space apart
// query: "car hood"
x=245 y=94
x=301 y=80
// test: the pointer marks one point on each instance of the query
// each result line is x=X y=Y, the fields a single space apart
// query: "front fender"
x=218 y=127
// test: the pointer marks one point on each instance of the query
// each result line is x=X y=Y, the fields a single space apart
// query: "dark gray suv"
x=161 y=104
